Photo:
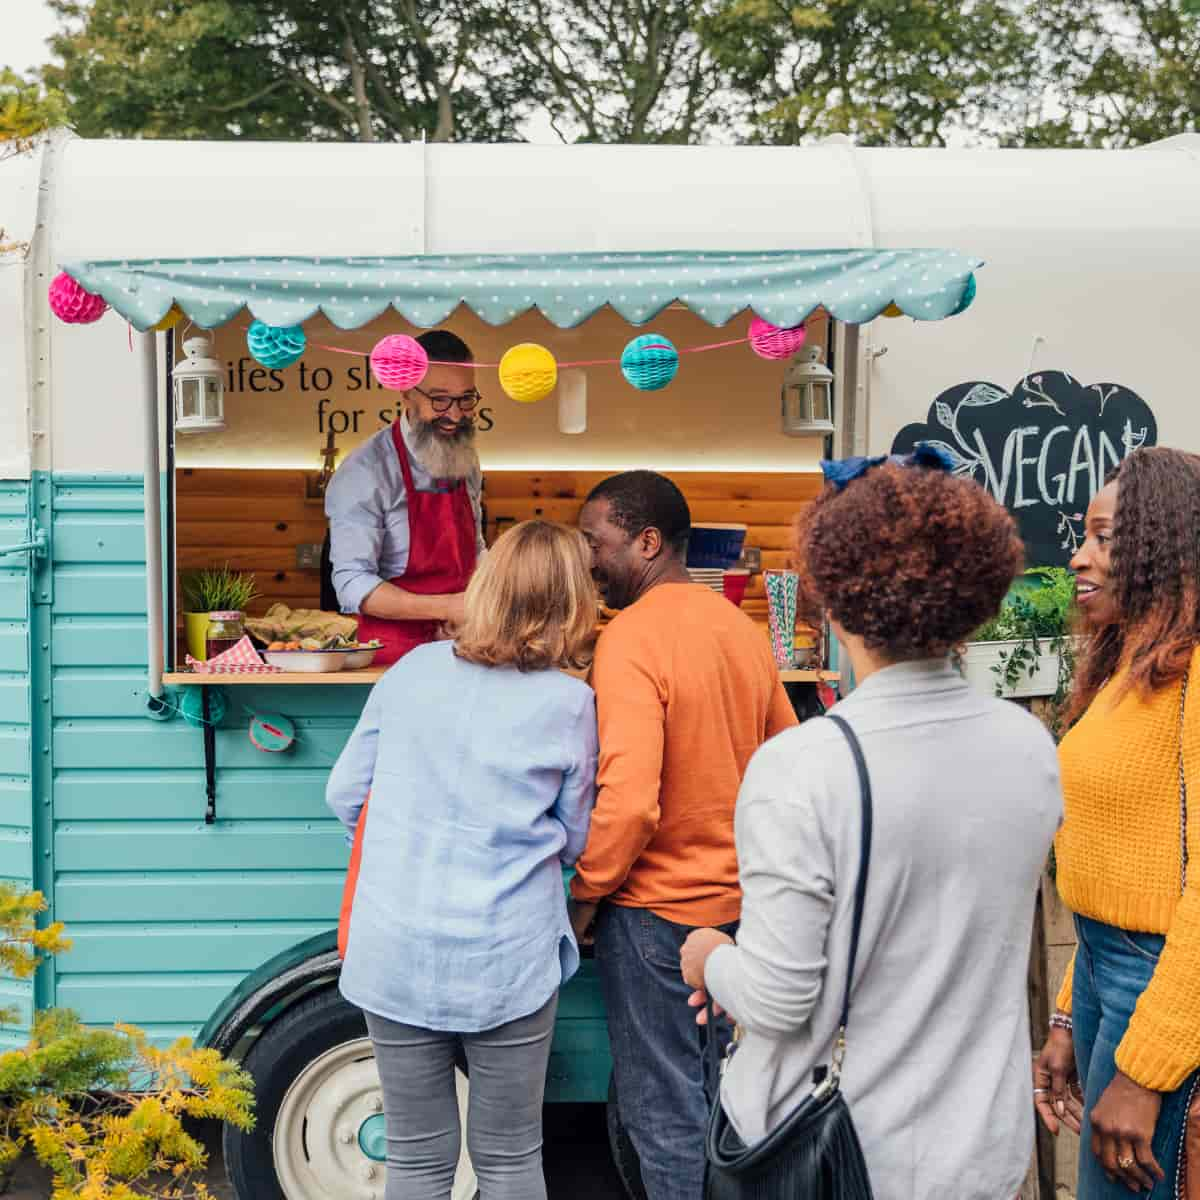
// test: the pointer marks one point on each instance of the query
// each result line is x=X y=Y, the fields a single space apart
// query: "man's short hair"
x=640 y=500
x=445 y=347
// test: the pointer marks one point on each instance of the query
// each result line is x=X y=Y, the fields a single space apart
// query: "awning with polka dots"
x=782 y=287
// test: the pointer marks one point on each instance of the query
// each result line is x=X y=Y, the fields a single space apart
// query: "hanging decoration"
x=967 y=297
x=893 y=310
x=649 y=362
x=528 y=372
x=272 y=732
x=276 y=346
x=74 y=304
x=191 y=706
x=769 y=341
x=173 y=317
x=572 y=401
x=399 y=362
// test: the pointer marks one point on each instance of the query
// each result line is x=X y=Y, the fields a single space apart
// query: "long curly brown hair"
x=1154 y=577
x=911 y=560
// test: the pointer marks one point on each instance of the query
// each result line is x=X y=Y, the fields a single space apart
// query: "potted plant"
x=1027 y=649
x=212 y=590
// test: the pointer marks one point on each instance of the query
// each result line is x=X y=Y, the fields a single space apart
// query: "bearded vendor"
x=404 y=509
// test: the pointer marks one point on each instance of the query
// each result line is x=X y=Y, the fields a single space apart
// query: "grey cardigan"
x=966 y=800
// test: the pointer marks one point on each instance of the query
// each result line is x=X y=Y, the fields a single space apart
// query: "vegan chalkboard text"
x=1042 y=449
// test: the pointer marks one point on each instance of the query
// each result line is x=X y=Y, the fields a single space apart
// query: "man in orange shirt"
x=686 y=691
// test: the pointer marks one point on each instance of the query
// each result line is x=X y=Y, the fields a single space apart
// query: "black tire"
x=307 y=1030
x=624 y=1156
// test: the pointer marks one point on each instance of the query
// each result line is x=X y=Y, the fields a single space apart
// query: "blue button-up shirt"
x=367 y=508
x=482 y=781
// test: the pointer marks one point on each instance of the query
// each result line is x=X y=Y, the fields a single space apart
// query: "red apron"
x=441 y=556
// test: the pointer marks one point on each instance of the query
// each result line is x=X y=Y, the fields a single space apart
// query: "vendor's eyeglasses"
x=467 y=402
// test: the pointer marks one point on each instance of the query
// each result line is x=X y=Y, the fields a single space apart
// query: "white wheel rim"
x=315 y=1143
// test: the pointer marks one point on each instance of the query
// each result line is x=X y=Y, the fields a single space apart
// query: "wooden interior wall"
x=254 y=520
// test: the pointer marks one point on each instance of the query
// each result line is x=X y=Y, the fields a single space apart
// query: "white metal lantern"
x=199 y=389
x=807 y=395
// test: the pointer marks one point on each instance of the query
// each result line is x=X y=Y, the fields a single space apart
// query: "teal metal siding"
x=168 y=914
x=16 y=732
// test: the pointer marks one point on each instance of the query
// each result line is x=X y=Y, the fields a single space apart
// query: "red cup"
x=734 y=583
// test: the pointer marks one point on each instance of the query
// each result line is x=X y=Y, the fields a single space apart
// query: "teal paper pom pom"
x=275 y=346
x=649 y=362
x=967 y=296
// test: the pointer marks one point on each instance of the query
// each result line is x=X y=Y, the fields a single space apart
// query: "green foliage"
x=27 y=110
x=216 y=589
x=886 y=72
x=366 y=70
x=1127 y=72
x=1037 y=616
x=68 y=1094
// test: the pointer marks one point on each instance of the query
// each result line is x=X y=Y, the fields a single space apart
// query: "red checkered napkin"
x=241 y=659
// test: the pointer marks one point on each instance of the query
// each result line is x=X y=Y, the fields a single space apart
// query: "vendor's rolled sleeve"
x=368 y=538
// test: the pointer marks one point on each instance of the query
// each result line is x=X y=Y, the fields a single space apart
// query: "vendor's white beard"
x=443 y=457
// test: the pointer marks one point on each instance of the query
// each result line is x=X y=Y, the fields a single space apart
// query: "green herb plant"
x=1037 y=616
x=217 y=589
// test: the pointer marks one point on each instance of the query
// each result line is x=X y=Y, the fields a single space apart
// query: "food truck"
x=1030 y=311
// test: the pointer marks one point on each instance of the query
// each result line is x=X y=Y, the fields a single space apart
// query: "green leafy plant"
x=217 y=589
x=1037 y=617
x=104 y=1110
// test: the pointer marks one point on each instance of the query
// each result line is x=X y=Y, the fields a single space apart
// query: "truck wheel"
x=620 y=1145
x=320 y=1129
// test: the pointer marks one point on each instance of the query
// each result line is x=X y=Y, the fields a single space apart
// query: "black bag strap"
x=712 y=1054
x=864 y=855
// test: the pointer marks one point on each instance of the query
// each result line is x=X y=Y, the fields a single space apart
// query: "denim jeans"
x=507 y=1068
x=663 y=1096
x=1112 y=968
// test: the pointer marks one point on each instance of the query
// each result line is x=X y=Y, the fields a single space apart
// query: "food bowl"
x=715 y=546
x=322 y=662
x=733 y=584
x=362 y=656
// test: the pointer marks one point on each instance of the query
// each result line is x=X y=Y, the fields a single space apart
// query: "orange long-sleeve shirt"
x=686 y=692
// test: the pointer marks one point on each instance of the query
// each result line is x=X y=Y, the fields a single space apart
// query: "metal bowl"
x=317 y=662
x=356 y=660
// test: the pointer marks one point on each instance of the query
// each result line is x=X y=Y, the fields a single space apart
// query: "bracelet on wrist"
x=1061 y=1020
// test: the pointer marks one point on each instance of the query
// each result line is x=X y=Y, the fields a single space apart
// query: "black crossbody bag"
x=814 y=1154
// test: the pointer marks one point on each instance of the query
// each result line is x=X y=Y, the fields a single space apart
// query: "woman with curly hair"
x=1123 y=1049
x=906 y=560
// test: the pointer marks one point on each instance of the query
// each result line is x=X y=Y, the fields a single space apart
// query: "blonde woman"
x=480 y=758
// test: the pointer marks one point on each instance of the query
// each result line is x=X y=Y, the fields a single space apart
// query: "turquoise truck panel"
x=174 y=922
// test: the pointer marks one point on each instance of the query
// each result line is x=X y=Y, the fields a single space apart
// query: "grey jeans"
x=507 y=1068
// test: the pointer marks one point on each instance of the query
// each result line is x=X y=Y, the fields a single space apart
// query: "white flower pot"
x=980 y=657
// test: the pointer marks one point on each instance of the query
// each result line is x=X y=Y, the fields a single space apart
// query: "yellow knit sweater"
x=1118 y=855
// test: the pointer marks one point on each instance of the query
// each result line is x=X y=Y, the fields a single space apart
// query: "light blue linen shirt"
x=482 y=781
x=367 y=508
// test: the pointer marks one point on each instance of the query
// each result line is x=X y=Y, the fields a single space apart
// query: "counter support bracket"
x=210 y=760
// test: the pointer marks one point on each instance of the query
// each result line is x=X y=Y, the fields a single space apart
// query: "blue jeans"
x=1112 y=968
x=657 y=1048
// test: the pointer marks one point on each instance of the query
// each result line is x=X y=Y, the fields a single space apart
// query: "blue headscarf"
x=844 y=471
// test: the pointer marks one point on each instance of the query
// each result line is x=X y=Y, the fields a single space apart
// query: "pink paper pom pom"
x=399 y=362
x=74 y=304
x=769 y=341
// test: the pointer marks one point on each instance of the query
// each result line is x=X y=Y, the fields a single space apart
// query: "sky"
x=27 y=25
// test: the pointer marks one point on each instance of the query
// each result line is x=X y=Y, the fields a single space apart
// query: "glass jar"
x=225 y=630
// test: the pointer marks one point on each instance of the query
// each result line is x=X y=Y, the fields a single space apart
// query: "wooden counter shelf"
x=369 y=675
x=365 y=675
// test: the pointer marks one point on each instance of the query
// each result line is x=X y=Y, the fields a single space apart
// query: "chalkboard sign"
x=1042 y=449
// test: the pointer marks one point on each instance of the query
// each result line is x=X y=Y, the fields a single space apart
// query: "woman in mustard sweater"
x=1123 y=1050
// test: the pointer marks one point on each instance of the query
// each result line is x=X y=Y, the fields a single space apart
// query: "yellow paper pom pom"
x=893 y=310
x=528 y=372
x=173 y=317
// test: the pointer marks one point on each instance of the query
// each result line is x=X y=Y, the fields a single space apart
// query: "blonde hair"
x=532 y=603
